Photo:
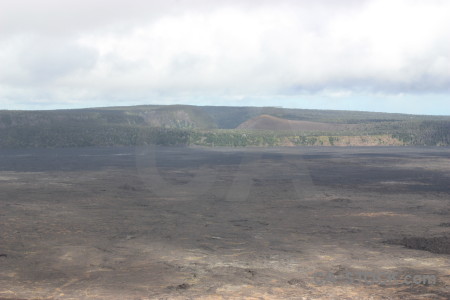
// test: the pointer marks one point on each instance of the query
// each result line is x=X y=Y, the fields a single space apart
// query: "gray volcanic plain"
x=224 y=223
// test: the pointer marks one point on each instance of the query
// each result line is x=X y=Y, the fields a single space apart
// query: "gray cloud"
x=83 y=50
x=48 y=60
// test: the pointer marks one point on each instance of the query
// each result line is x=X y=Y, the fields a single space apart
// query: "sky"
x=373 y=55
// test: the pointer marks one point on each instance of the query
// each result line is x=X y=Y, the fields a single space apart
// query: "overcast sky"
x=377 y=55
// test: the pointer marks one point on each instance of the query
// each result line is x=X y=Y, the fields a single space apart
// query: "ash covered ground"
x=224 y=223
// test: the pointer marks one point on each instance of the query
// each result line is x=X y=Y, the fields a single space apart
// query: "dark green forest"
x=212 y=126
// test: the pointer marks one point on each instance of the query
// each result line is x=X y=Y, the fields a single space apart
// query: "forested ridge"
x=215 y=126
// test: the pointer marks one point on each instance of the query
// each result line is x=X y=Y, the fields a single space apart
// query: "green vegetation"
x=212 y=126
x=82 y=136
x=236 y=138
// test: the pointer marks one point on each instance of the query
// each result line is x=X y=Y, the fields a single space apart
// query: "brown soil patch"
x=267 y=122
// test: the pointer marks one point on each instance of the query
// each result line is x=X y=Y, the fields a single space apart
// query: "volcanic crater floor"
x=225 y=223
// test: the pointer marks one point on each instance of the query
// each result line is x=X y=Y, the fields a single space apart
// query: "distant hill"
x=267 y=122
x=177 y=116
x=217 y=126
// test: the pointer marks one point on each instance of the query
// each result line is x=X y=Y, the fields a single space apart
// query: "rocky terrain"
x=225 y=223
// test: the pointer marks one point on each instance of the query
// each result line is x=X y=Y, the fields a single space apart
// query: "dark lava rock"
x=439 y=245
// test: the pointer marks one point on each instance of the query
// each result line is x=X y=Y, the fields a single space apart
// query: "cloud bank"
x=80 y=53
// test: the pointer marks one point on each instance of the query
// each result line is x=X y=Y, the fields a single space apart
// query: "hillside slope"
x=217 y=126
x=267 y=122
